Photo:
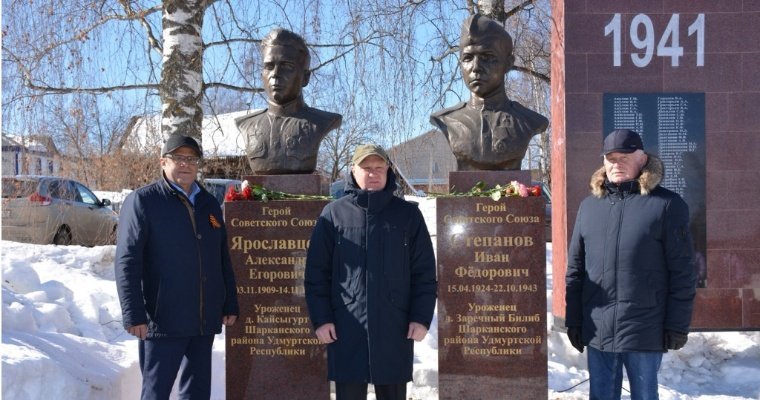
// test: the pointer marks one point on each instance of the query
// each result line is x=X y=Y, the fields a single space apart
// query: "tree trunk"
x=181 y=76
x=493 y=9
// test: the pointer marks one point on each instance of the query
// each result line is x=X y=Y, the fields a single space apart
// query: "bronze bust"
x=284 y=138
x=489 y=132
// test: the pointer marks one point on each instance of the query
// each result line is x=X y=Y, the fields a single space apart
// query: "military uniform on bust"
x=294 y=130
x=284 y=138
x=489 y=134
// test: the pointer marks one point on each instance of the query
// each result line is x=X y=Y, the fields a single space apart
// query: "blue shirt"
x=194 y=190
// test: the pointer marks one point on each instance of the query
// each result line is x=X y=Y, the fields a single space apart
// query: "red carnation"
x=231 y=195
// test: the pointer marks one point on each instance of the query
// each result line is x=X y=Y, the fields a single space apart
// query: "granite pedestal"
x=272 y=352
x=492 y=298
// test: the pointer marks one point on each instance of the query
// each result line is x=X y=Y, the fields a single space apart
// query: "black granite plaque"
x=492 y=298
x=272 y=352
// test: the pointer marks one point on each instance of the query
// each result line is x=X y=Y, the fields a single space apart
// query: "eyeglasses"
x=187 y=160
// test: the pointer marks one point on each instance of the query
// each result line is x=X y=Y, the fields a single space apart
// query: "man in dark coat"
x=174 y=275
x=370 y=281
x=631 y=278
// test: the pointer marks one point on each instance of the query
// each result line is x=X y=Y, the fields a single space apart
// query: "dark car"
x=52 y=210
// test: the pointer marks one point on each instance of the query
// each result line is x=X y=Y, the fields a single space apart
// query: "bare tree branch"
x=532 y=72
x=517 y=9
x=82 y=34
x=227 y=42
x=91 y=90
x=141 y=16
x=209 y=85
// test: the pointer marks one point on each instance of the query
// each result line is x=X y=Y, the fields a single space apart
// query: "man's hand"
x=675 y=340
x=416 y=332
x=576 y=337
x=138 y=331
x=229 y=320
x=326 y=333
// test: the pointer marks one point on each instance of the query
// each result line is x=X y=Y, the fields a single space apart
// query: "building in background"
x=425 y=161
x=29 y=155
x=223 y=144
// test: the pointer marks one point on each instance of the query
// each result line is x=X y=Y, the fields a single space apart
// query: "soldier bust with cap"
x=284 y=138
x=489 y=132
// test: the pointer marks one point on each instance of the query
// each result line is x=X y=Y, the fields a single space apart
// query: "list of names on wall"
x=671 y=125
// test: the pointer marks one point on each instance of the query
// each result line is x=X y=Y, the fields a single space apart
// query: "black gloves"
x=673 y=340
x=574 y=334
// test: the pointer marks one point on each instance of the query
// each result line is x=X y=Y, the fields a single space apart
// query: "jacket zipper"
x=621 y=201
x=191 y=211
x=366 y=284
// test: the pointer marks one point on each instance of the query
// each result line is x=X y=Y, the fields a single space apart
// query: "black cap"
x=176 y=141
x=622 y=141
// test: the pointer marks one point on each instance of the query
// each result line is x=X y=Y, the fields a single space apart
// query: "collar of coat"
x=651 y=176
x=293 y=107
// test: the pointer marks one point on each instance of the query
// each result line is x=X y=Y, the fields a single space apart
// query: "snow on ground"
x=62 y=338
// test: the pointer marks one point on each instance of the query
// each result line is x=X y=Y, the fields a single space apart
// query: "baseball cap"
x=176 y=141
x=365 y=150
x=622 y=141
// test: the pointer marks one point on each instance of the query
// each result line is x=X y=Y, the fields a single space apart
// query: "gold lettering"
x=483 y=257
x=499 y=241
x=275 y=212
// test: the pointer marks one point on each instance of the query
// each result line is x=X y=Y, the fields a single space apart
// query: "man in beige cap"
x=370 y=281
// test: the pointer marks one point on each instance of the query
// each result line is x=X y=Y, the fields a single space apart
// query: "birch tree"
x=181 y=85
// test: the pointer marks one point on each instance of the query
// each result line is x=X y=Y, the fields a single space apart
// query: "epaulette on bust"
x=449 y=110
x=250 y=115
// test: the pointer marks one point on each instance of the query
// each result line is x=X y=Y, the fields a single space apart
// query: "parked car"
x=47 y=209
x=220 y=187
x=337 y=189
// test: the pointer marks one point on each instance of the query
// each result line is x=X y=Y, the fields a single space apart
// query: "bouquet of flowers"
x=512 y=189
x=260 y=193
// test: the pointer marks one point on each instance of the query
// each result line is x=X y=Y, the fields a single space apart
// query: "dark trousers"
x=161 y=360
x=358 y=391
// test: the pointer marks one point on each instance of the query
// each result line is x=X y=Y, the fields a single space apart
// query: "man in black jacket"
x=370 y=281
x=631 y=278
x=174 y=275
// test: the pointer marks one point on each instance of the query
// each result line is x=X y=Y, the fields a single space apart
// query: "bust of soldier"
x=284 y=138
x=489 y=132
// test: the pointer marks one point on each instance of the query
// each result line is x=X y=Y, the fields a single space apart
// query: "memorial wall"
x=684 y=74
